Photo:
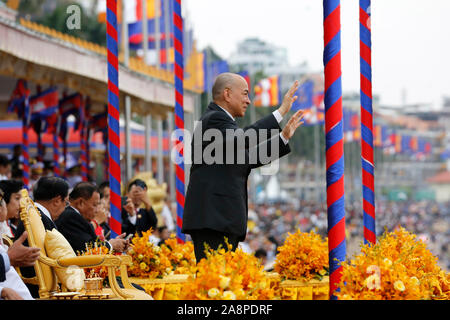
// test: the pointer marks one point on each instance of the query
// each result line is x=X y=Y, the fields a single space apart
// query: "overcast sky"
x=410 y=39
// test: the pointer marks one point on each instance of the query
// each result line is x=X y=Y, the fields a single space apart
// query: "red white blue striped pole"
x=25 y=141
x=367 y=157
x=56 y=167
x=113 y=117
x=179 y=115
x=334 y=141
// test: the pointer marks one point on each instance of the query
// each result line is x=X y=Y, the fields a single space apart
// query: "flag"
x=99 y=123
x=351 y=125
x=212 y=70
x=71 y=105
x=305 y=96
x=18 y=100
x=244 y=74
x=267 y=92
x=405 y=145
x=44 y=110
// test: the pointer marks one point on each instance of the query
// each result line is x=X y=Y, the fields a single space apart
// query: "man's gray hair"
x=223 y=80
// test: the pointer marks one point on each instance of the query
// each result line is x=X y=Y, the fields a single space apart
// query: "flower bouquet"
x=228 y=275
x=302 y=263
x=397 y=267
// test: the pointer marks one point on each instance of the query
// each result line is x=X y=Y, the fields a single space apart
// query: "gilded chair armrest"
x=90 y=261
x=126 y=259
x=47 y=261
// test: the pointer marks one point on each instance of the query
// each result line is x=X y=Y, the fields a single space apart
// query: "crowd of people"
x=81 y=212
x=269 y=224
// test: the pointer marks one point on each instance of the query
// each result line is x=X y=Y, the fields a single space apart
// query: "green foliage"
x=53 y=14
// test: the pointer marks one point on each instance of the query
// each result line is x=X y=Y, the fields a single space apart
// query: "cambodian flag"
x=44 y=110
x=18 y=98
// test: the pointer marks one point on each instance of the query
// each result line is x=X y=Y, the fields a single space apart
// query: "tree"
x=53 y=14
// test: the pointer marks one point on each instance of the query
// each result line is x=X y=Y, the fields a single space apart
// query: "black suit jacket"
x=2 y=269
x=216 y=197
x=77 y=230
x=145 y=220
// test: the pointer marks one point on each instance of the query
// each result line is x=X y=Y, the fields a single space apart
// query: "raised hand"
x=289 y=99
x=294 y=122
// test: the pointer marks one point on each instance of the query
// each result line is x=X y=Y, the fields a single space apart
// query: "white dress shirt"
x=276 y=114
x=44 y=210
x=13 y=280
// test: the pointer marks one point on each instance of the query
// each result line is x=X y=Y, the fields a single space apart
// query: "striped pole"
x=25 y=141
x=113 y=117
x=56 y=168
x=367 y=157
x=334 y=141
x=83 y=147
x=179 y=115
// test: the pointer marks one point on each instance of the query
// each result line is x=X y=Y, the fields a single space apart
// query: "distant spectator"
x=5 y=168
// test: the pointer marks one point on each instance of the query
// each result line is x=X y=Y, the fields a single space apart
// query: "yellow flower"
x=398 y=285
x=143 y=265
x=213 y=292
x=140 y=256
x=302 y=256
x=229 y=295
x=224 y=282
x=387 y=262
x=415 y=281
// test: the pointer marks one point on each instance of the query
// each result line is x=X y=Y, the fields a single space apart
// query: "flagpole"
x=145 y=31
x=159 y=123
x=157 y=34
x=148 y=139
x=126 y=60
x=179 y=114
x=113 y=118
x=167 y=24
x=367 y=153
x=334 y=141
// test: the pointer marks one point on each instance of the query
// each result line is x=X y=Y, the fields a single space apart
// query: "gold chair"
x=44 y=267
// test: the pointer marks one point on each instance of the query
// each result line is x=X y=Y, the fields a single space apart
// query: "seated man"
x=75 y=222
x=50 y=197
x=134 y=218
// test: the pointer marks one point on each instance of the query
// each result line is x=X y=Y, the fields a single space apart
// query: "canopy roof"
x=47 y=57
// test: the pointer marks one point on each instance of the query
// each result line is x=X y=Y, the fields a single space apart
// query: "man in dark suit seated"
x=75 y=221
x=134 y=218
x=50 y=197
x=223 y=156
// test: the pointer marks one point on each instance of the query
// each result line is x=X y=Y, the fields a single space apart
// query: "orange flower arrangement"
x=147 y=261
x=181 y=256
x=152 y=261
x=397 y=267
x=228 y=275
x=303 y=256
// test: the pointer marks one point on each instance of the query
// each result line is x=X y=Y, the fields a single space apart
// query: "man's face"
x=237 y=97
x=14 y=205
x=57 y=206
x=88 y=208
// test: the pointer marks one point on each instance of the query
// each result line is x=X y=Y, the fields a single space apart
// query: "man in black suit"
x=50 y=197
x=75 y=221
x=136 y=219
x=216 y=198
